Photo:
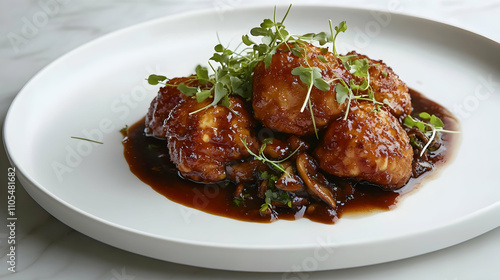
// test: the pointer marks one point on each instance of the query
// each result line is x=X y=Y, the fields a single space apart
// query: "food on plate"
x=278 y=95
x=201 y=145
x=168 y=97
x=367 y=146
x=383 y=82
x=288 y=128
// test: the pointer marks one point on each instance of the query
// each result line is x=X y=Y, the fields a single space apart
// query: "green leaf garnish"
x=124 y=130
x=234 y=72
x=436 y=122
x=360 y=67
x=202 y=74
x=238 y=201
x=425 y=116
x=275 y=164
x=311 y=76
x=156 y=79
x=187 y=90
x=202 y=95
x=278 y=196
x=342 y=27
x=431 y=129
x=342 y=93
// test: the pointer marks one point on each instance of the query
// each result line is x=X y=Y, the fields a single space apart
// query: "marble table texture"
x=48 y=249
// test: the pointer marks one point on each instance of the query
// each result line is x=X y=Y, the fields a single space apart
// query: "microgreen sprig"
x=233 y=73
x=235 y=69
x=311 y=76
x=430 y=128
x=359 y=68
x=342 y=27
x=276 y=164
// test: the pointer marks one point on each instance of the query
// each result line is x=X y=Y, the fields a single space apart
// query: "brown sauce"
x=148 y=159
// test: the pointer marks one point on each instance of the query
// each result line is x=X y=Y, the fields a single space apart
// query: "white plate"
x=97 y=89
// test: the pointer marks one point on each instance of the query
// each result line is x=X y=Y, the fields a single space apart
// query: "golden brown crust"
x=278 y=95
x=370 y=145
x=201 y=144
x=168 y=97
x=386 y=85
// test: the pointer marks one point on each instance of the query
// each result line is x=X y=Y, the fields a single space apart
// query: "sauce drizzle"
x=148 y=159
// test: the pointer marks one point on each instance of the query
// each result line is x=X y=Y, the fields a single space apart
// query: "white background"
x=48 y=249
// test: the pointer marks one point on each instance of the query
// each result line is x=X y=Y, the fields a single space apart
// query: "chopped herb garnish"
x=240 y=200
x=278 y=196
x=124 y=130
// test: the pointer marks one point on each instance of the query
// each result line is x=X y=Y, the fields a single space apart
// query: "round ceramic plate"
x=97 y=89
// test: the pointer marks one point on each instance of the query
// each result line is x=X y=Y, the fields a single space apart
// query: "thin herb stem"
x=85 y=139
x=333 y=38
x=261 y=157
x=309 y=89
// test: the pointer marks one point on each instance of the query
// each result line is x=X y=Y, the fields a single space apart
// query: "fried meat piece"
x=168 y=97
x=203 y=143
x=370 y=145
x=278 y=95
x=386 y=85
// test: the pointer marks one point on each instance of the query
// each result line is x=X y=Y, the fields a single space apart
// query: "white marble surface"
x=48 y=249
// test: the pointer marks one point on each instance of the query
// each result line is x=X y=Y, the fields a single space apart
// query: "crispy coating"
x=370 y=145
x=278 y=95
x=168 y=97
x=386 y=85
x=203 y=143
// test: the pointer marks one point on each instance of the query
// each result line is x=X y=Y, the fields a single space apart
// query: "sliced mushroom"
x=277 y=149
x=238 y=192
x=262 y=189
x=419 y=135
x=315 y=182
x=289 y=181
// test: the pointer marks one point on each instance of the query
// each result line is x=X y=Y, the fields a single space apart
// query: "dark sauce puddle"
x=149 y=160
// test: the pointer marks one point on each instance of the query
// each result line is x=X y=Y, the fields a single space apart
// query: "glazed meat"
x=168 y=97
x=386 y=85
x=370 y=145
x=278 y=95
x=203 y=143
x=281 y=128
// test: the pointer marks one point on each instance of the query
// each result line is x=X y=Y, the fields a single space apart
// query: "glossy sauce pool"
x=149 y=160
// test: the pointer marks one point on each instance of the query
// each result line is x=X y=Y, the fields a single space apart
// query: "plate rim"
x=109 y=36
